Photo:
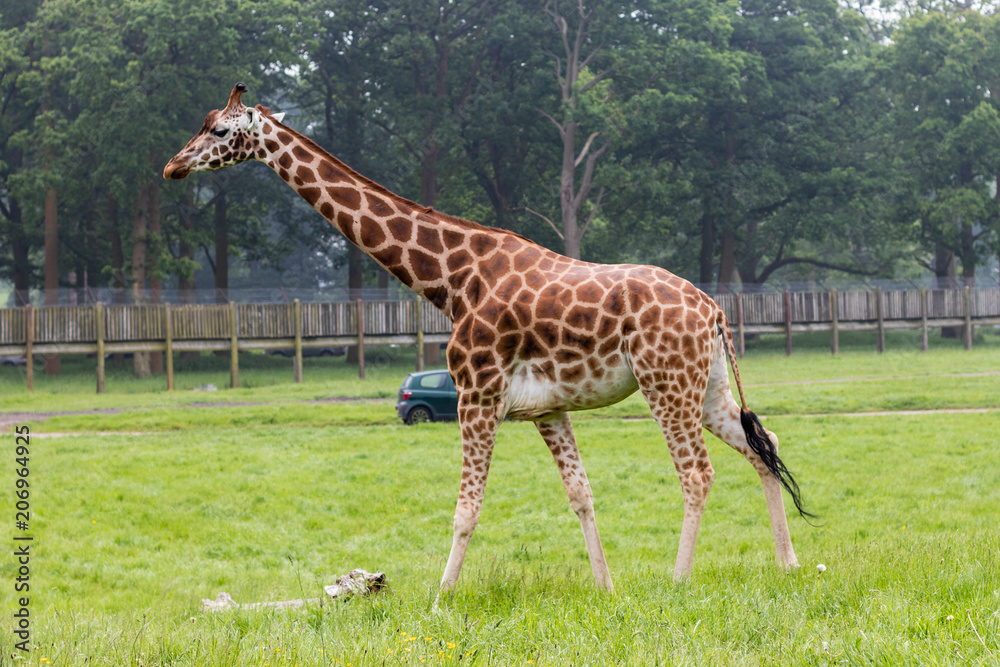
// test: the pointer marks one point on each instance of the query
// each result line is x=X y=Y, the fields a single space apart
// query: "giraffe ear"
x=280 y=116
x=252 y=118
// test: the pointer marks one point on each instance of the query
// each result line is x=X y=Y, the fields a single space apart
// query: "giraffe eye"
x=220 y=131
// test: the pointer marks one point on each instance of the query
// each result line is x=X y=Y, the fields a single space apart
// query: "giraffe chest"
x=535 y=389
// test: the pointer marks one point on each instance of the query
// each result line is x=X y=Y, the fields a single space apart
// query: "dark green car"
x=427 y=396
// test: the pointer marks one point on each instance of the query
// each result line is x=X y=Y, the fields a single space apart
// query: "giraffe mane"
x=461 y=222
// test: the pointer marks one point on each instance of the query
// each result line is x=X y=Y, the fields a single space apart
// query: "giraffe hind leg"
x=724 y=419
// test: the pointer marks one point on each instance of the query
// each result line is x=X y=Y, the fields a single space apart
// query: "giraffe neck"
x=431 y=253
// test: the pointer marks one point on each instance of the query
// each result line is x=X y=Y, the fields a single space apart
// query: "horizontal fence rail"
x=281 y=326
x=78 y=324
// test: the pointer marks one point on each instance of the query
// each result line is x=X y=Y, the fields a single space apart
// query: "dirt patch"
x=9 y=419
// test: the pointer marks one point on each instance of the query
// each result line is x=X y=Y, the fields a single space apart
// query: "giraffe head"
x=227 y=137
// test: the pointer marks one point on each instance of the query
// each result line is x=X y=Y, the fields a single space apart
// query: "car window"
x=434 y=381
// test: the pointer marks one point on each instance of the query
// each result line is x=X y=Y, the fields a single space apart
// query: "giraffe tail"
x=757 y=438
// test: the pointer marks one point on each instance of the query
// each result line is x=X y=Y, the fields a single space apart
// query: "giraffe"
x=536 y=335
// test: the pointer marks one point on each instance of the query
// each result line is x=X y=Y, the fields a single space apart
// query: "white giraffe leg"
x=479 y=427
x=558 y=435
x=722 y=418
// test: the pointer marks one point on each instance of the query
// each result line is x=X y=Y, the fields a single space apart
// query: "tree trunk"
x=707 y=254
x=749 y=256
x=965 y=236
x=140 y=360
x=117 y=263
x=186 y=284
x=728 y=261
x=567 y=192
x=945 y=271
x=221 y=249
x=153 y=263
x=221 y=254
x=20 y=247
x=52 y=362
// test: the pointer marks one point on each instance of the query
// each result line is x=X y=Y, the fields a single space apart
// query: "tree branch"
x=586 y=147
x=597 y=77
x=593 y=211
x=588 y=177
x=208 y=256
x=559 y=126
x=546 y=219
x=922 y=262
x=778 y=263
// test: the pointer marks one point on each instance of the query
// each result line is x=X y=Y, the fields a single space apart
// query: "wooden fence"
x=102 y=330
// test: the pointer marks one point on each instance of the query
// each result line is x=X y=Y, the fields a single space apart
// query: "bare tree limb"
x=777 y=264
x=546 y=219
x=559 y=72
x=593 y=211
x=927 y=265
x=586 y=147
x=559 y=126
x=588 y=177
x=597 y=78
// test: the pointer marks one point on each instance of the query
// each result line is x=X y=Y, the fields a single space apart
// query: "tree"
x=942 y=69
x=582 y=65
x=761 y=120
x=18 y=107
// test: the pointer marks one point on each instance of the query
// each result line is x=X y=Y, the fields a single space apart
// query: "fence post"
x=99 y=325
x=361 y=339
x=234 y=350
x=880 y=343
x=419 y=308
x=169 y=322
x=297 y=364
x=923 y=319
x=967 y=305
x=739 y=323
x=29 y=340
x=788 y=323
x=834 y=323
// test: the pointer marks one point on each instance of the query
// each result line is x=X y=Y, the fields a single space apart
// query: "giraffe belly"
x=533 y=395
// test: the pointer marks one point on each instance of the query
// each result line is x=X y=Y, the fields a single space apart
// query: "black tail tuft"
x=762 y=447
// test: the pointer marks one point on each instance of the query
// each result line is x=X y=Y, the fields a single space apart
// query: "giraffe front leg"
x=478 y=436
x=558 y=435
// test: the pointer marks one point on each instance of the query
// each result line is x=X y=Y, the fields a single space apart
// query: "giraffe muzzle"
x=175 y=171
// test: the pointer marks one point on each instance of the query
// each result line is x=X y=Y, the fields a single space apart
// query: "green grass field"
x=141 y=514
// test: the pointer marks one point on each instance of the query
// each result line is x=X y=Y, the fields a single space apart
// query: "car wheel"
x=419 y=416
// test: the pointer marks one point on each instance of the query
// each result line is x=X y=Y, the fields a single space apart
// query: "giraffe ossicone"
x=536 y=335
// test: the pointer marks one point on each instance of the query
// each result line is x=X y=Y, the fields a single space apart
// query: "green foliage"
x=748 y=140
x=946 y=117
